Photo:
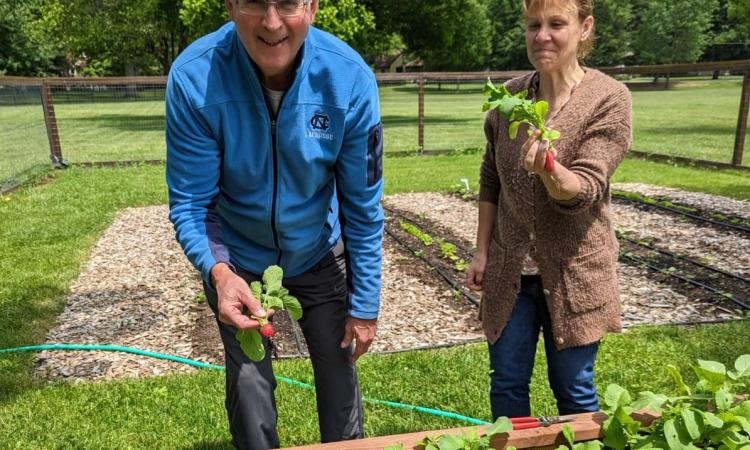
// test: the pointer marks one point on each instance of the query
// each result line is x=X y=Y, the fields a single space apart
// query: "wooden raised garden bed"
x=586 y=426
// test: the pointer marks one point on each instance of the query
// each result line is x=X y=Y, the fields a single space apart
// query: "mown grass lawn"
x=48 y=229
x=696 y=118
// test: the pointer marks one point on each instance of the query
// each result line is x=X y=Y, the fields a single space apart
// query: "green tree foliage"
x=739 y=12
x=675 y=31
x=203 y=16
x=507 y=36
x=347 y=19
x=446 y=35
x=612 y=43
x=23 y=50
x=142 y=36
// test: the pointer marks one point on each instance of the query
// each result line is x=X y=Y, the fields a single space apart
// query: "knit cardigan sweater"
x=573 y=241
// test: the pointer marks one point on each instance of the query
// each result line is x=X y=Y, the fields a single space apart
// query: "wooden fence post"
x=739 y=140
x=421 y=113
x=55 y=151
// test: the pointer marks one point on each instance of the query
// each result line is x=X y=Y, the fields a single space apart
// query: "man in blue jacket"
x=274 y=156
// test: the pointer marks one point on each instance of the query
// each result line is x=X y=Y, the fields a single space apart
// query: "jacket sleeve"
x=359 y=184
x=607 y=138
x=193 y=167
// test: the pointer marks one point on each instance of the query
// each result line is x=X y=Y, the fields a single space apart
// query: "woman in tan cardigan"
x=546 y=250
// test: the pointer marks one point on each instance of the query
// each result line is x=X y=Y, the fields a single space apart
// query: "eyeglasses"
x=285 y=8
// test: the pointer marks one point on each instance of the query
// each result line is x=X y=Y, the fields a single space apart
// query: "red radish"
x=549 y=161
x=267 y=330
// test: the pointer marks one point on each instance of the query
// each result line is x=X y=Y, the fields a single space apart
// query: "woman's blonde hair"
x=580 y=8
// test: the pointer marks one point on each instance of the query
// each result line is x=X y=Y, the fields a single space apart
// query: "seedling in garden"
x=518 y=109
x=468 y=440
x=416 y=232
x=271 y=295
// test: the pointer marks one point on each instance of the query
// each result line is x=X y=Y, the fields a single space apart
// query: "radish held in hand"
x=272 y=295
x=518 y=109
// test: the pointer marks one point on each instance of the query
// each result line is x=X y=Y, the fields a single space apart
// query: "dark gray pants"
x=250 y=402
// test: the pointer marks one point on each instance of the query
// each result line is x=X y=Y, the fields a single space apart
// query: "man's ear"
x=313 y=10
x=229 y=5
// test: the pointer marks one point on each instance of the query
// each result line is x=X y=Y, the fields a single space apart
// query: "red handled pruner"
x=522 y=423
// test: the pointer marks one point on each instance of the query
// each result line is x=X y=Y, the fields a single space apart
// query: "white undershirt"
x=273 y=98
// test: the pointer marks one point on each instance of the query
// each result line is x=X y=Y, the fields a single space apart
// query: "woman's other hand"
x=475 y=272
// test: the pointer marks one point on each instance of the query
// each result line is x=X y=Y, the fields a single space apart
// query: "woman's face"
x=553 y=35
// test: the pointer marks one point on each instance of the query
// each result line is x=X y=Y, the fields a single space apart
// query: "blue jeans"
x=570 y=371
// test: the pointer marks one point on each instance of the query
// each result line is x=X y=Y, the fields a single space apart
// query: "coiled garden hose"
x=203 y=365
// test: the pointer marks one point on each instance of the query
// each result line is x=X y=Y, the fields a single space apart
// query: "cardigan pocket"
x=590 y=281
x=500 y=276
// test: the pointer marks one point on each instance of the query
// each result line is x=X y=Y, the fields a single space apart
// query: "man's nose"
x=271 y=18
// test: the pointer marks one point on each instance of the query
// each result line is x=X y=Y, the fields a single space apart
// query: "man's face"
x=273 y=34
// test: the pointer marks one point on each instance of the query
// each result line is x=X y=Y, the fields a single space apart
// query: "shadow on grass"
x=698 y=130
x=393 y=120
x=26 y=322
x=122 y=122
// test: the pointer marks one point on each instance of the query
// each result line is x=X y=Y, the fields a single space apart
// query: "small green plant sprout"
x=714 y=413
x=518 y=109
x=447 y=250
x=469 y=440
x=416 y=232
x=394 y=447
x=462 y=190
x=570 y=438
x=200 y=298
x=272 y=295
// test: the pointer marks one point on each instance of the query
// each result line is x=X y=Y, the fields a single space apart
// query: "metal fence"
x=697 y=112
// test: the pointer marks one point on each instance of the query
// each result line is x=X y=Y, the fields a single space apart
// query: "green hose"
x=203 y=365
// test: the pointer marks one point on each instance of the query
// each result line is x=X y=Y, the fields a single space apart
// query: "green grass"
x=431 y=173
x=48 y=229
x=695 y=119
x=24 y=147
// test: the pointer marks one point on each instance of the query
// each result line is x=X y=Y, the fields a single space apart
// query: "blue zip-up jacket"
x=250 y=191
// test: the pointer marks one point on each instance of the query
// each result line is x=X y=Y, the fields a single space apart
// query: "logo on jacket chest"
x=319 y=126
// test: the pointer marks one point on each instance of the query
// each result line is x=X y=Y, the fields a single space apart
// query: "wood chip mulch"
x=139 y=290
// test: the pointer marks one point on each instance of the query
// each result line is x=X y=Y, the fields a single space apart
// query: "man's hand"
x=363 y=332
x=234 y=293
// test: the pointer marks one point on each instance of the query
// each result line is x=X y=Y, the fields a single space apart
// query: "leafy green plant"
x=448 y=251
x=462 y=190
x=518 y=109
x=469 y=440
x=570 y=438
x=714 y=414
x=416 y=232
x=272 y=295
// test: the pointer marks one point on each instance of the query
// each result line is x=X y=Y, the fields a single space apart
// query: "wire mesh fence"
x=24 y=148
x=689 y=111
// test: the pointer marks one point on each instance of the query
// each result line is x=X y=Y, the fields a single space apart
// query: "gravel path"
x=707 y=202
x=139 y=290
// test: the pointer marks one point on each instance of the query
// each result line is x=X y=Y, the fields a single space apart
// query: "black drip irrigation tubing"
x=441 y=272
x=683 y=258
x=403 y=216
x=683 y=213
x=643 y=262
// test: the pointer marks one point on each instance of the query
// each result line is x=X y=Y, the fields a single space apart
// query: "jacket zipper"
x=275 y=189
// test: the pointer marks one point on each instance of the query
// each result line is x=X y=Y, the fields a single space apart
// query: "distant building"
x=397 y=63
